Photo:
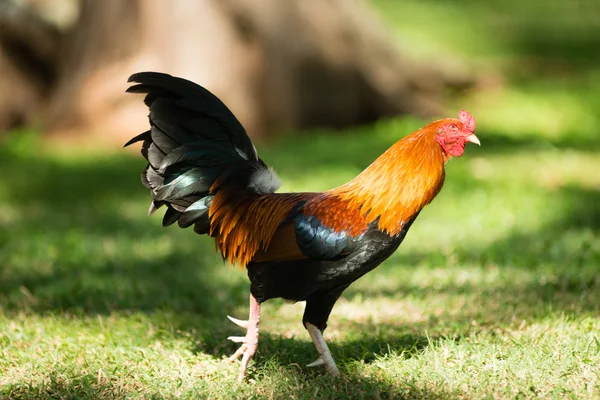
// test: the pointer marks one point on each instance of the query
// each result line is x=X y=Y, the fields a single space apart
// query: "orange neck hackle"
x=391 y=191
x=398 y=184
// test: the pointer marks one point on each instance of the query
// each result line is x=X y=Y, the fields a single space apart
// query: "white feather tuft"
x=264 y=181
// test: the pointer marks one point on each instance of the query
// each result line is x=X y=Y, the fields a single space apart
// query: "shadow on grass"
x=387 y=340
x=76 y=212
x=84 y=387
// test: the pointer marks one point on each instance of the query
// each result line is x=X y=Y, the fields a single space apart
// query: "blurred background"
x=323 y=87
x=278 y=66
x=287 y=67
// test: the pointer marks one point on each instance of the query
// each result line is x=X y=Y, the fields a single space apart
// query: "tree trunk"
x=27 y=63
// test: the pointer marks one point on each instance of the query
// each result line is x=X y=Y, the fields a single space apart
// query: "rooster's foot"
x=325 y=357
x=250 y=341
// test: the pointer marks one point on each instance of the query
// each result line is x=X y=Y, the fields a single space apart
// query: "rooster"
x=297 y=246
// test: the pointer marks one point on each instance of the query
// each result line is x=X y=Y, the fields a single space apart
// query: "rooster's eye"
x=453 y=127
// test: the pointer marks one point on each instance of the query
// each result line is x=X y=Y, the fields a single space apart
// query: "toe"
x=238 y=353
x=237 y=339
x=239 y=322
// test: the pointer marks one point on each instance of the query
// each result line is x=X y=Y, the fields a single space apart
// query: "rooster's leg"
x=250 y=341
x=325 y=357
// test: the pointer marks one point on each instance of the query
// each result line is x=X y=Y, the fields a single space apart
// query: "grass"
x=495 y=292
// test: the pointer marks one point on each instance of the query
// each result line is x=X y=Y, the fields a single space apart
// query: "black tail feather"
x=171 y=216
x=193 y=139
x=142 y=136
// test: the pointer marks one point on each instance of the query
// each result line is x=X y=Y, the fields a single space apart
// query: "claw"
x=238 y=353
x=239 y=322
x=316 y=363
x=237 y=339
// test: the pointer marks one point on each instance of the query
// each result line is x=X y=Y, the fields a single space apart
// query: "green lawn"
x=494 y=293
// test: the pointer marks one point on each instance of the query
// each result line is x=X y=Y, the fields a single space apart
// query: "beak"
x=473 y=139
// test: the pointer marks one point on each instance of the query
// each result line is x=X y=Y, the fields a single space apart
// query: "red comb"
x=467 y=120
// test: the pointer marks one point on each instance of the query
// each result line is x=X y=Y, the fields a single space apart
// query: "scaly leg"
x=325 y=357
x=250 y=341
